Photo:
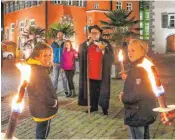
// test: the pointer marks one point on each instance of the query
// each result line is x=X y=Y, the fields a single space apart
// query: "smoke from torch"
x=18 y=102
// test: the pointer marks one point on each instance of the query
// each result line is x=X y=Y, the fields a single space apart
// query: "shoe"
x=105 y=112
x=73 y=93
x=66 y=93
x=69 y=94
x=92 y=110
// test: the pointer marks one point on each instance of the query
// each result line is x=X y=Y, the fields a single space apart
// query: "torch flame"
x=25 y=76
x=120 y=55
x=25 y=71
x=146 y=64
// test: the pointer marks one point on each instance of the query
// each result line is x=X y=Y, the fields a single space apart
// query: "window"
x=21 y=26
x=119 y=5
x=12 y=27
x=129 y=7
x=76 y=3
x=32 y=22
x=27 y=4
x=16 y=5
x=57 y=1
x=31 y=3
x=147 y=15
x=69 y=2
x=34 y=3
x=7 y=8
x=96 y=5
x=12 y=7
x=164 y=20
x=171 y=20
x=21 y=5
x=7 y=34
x=81 y=3
x=38 y=2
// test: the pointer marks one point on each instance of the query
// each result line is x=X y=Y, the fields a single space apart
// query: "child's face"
x=46 y=57
x=67 y=45
x=135 y=52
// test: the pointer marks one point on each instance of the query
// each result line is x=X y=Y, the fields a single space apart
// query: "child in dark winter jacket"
x=68 y=65
x=43 y=101
x=138 y=97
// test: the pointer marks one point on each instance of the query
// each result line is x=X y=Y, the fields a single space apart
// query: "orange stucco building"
x=19 y=15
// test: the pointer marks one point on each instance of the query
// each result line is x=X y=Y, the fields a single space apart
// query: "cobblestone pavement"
x=72 y=122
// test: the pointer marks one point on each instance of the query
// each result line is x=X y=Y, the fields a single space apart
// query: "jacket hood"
x=32 y=61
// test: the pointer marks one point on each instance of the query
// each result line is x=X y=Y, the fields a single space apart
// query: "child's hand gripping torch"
x=18 y=102
x=157 y=88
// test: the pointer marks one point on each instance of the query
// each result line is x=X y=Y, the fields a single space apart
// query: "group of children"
x=137 y=97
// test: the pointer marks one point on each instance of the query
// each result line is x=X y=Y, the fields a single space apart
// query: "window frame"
x=127 y=6
x=12 y=29
x=96 y=5
x=21 y=26
x=121 y=4
x=31 y=22
x=169 y=20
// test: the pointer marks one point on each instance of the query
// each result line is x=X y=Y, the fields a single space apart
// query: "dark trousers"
x=70 y=75
x=42 y=129
x=141 y=132
x=94 y=93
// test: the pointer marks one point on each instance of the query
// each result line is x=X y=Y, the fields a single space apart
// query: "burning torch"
x=120 y=58
x=18 y=102
x=157 y=87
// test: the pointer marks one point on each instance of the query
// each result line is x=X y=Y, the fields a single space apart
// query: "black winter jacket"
x=41 y=93
x=138 y=98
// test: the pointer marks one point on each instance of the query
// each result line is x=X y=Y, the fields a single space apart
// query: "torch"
x=157 y=87
x=120 y=58
x=18 y=102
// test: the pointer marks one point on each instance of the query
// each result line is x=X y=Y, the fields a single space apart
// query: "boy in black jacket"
x=43 y=101
x=138 y=97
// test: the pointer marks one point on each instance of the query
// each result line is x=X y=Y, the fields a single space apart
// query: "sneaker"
x=66 y=93
x=105 y=112
x=69 y=94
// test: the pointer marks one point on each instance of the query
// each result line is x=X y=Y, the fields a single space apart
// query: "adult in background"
x=57 y=47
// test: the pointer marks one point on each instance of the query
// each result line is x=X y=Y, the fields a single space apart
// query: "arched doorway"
x=171 y=43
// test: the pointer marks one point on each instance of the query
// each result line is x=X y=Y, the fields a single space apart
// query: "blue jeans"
x=56 y=71
x=139 y=132
x=42 y=129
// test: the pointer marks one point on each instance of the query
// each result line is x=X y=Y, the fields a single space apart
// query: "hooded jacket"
x=42 y=96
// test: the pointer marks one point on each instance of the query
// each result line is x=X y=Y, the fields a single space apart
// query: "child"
x=43 y=101
x=138 y=97
x=68 y=65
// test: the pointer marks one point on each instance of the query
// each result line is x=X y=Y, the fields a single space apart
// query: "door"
x=171 y=43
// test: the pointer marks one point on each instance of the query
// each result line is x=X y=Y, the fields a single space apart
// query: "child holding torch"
x=43 y=101
x=138 y=97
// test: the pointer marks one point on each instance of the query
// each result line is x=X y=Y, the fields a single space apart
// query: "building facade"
x=19 y=15
x=162 y=26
